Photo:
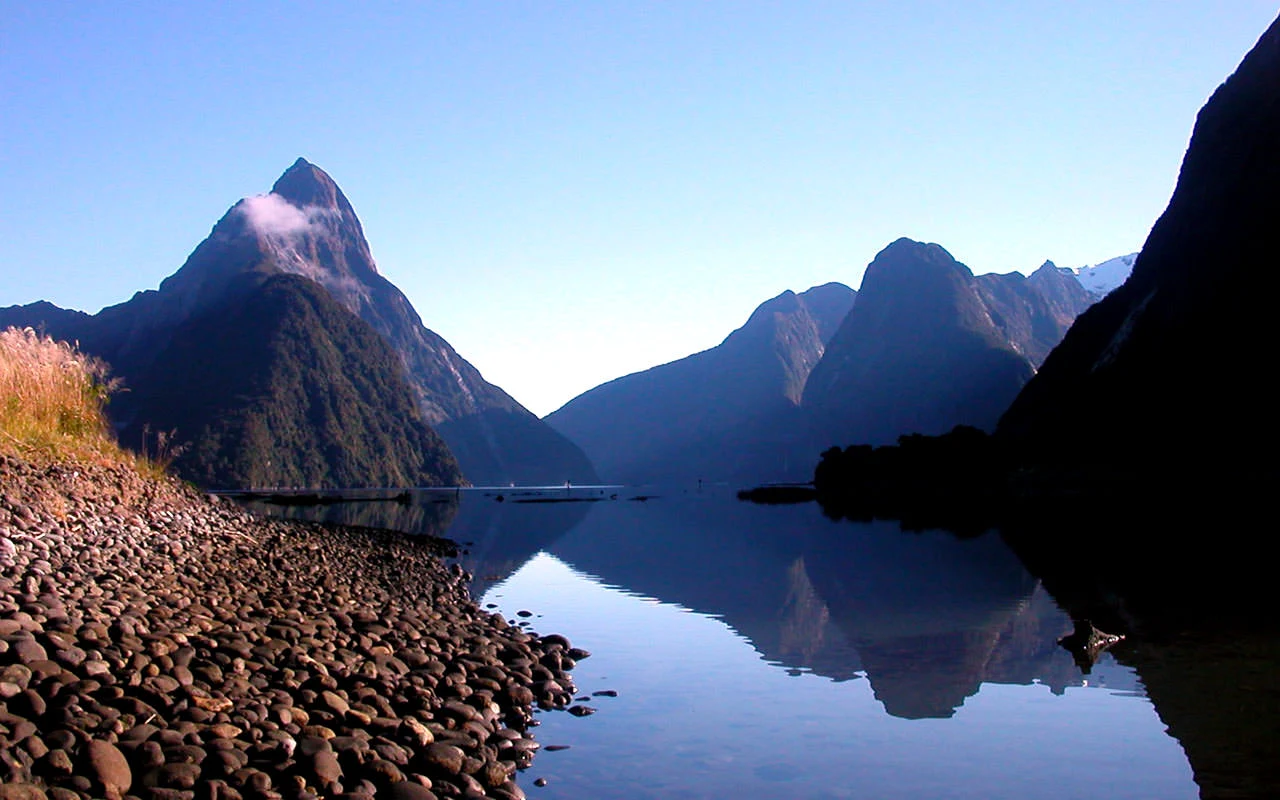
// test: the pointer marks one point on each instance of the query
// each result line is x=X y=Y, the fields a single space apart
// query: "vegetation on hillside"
x=52 y=399
x=278 y=385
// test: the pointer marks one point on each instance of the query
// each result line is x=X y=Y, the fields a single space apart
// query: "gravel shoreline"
x=159 y=643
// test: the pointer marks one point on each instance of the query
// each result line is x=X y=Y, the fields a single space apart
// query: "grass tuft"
x=52 y=400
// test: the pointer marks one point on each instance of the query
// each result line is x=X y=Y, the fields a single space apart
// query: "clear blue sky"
x=572 y=191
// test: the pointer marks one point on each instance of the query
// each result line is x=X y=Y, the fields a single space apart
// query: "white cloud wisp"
x=272 y=215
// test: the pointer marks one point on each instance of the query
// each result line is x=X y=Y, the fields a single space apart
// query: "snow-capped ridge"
x=1100 y=279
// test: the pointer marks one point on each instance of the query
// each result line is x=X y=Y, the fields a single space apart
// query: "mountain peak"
x=828 y=304
x=906 y=266
x=304 y=184
x=784 y=303
x=920 y=351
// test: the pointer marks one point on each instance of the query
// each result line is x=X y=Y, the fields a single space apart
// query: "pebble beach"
x=156 y=642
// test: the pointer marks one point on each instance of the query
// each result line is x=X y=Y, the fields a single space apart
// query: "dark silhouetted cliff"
x=1171 y=368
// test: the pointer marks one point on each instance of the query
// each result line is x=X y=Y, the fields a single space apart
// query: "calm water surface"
x=769 y=652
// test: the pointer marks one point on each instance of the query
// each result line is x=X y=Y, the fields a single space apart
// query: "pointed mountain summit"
x=306 y=185
x=305 y=226
x=721 y=413
x=920 y=352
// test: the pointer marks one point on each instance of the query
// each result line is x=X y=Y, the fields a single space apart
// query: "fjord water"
x=770 y=652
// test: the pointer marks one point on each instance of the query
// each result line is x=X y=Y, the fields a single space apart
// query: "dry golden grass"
x=52 y=399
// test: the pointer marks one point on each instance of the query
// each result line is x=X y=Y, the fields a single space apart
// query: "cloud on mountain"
x=272 y=215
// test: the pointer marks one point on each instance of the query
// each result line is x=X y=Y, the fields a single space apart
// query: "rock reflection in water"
x=431 y=515
x=494 y=537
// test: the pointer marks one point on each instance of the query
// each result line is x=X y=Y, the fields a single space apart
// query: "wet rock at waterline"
x=158 y=644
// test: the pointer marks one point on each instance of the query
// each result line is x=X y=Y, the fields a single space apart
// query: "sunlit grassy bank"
x=52 y=399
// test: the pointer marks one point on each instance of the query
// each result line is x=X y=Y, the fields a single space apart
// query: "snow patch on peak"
x=1100 y=279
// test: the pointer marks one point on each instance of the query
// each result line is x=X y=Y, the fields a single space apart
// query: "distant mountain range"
x=924 y=345
x=714 y=412
x=306 y=227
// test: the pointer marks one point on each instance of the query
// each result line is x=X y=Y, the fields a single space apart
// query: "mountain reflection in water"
x=738 y=638
x=924 y=616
